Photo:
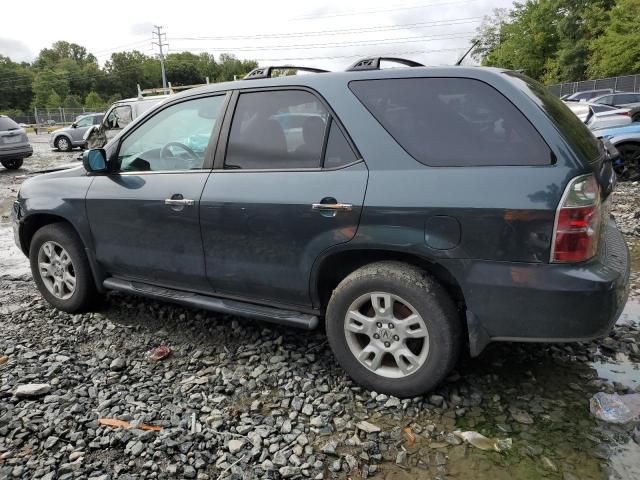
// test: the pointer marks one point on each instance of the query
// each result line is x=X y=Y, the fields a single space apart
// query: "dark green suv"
x=415 y=211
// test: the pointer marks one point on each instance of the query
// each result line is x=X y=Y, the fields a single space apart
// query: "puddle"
x=623 y=371
x=631 y=312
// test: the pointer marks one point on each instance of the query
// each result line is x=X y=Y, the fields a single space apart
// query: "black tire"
x=12 y=164
x=84 y=295
x=629 y=167
x=66 y=143
x=430 y=301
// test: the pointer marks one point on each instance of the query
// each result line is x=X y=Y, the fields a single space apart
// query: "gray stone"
x=235 y=445
x=368 y=427
x=32 y=390
x=329 y=448
x=117 y=364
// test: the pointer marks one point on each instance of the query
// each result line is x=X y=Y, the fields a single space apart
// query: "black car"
x=415 y=211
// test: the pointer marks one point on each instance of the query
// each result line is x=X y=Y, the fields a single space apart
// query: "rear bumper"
x=16 y=153
x=548 y=302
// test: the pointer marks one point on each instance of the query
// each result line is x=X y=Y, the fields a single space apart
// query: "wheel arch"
x=30 y=224
x=331 y=269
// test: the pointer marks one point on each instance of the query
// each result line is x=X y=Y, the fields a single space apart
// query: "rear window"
x=7 y=124
x=576 y=133
x=453 y=122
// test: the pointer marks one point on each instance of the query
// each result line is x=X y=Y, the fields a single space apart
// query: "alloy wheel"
x=63 y=143
x=386 y=334
x=56 y=270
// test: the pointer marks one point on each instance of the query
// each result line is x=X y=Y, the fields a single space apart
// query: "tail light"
x=577 y=228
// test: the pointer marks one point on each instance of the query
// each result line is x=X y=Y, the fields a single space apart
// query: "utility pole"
x=157 y=32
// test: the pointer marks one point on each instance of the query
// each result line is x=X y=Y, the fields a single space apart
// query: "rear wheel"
x=61 y=269
x=12 y=164
x=393 y=329
x=63 y=144
x=628 y=168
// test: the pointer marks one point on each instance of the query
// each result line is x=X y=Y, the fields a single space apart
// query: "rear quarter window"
x=449 y=122
x=575 y=133
x=7 y=124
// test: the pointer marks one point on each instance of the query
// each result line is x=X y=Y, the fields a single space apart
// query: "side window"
x=277 y=129
x=97 y=120
x=608 y=100
x=176 y=138
x=338 y=151
x=85 y=122
x=453 y=121
x=628 y=98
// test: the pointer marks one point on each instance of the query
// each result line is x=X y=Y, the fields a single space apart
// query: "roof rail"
x=265 y=72
x=373 y=63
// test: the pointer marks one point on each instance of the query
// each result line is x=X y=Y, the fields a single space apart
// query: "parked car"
x=119 y=115
x=66 y=138
x=587 y=95
x=14 y=144
x=420 y=212
x=622 y=100
x=627 y=142
x=600 y=116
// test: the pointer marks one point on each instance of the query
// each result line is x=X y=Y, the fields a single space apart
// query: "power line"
x=382 y=41
x=381 y=28
x=394 y=9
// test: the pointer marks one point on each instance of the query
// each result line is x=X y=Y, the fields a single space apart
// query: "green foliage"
x=94 y=102
x=563 y=40
x=66 y=73
x=72 y=101
x=617 y=51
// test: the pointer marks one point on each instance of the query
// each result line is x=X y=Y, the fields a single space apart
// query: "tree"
x=94 y=102
x=489 y=33
x=48 y=82
x=617 y=51
x=72 y=101
x=53 y=100
x=231 y=67
x=16 y=82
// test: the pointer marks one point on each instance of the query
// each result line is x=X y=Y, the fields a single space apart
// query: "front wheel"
x=63 y=144
x=12 y=164
x=61 y=269
x=393 y=329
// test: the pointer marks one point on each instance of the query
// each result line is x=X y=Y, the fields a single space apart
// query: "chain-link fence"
x=627 y=83
x=51 y=116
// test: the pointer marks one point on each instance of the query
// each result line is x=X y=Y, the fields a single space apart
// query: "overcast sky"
x=330 y=34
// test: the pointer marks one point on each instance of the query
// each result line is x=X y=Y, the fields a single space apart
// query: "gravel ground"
x=241 y=399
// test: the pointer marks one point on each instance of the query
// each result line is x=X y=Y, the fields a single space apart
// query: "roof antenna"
x=475 y=44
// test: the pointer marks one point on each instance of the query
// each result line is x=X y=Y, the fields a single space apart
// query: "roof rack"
x=265 y=72
x=373 y=63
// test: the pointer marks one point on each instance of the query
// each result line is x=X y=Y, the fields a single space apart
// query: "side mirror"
x=74 y=125
x=95 y=160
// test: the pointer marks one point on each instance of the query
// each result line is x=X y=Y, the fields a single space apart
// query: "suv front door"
x=287 y=186
x=144 y=215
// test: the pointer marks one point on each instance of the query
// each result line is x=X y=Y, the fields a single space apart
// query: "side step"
x=233 y=307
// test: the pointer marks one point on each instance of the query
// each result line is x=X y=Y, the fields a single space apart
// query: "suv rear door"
x=288 y=184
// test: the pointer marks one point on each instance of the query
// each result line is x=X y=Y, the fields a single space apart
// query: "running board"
x=233 y=307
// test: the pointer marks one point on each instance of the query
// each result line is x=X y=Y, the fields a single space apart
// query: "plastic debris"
x=114 y=422
x=409 y=436
x=614 y=408
x=158 y=353
x=483 y=443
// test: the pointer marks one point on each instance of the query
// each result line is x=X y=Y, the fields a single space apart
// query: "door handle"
x=179 y=201
x=332 y=206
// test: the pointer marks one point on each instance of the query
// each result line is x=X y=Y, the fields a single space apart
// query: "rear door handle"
x=179 y=201
x=332 y=206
